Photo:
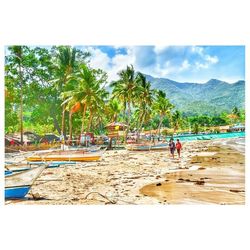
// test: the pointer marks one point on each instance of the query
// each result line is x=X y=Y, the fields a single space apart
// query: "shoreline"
x=125 y=177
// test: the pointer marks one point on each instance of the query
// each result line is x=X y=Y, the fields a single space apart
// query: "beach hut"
x=115 y=130
x=224 y=129
x=237 y=128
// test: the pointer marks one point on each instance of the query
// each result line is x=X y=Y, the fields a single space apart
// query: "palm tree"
x=87 y=91
x=125 y=89
x=236 y=111
x=97 y=105
x=145 y=98
x=176 y=120
x=162 y=107
x=113 y=109
x=66 y=62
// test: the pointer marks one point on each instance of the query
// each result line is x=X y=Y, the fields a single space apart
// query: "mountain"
x=212 y=97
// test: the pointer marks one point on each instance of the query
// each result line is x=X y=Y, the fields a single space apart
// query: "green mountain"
x=212 y=97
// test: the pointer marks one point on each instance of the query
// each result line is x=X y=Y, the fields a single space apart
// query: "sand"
x=209 y=172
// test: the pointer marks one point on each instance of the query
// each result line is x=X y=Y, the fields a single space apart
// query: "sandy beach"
x=209 y=172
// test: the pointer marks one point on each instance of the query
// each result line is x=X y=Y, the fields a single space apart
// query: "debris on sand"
x=199 y=182
x=236 y=190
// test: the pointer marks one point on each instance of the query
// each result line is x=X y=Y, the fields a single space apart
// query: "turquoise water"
x=208 y=136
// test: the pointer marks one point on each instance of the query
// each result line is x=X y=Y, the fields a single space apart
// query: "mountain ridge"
x=212 y=97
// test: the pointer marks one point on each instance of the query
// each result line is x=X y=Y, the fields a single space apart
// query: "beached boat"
x=53 y=164
x=17 y=185
x=66 y=156
x=145 y=147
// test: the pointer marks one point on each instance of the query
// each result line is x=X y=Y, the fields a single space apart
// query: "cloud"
x=158 y=61
x=112 y=65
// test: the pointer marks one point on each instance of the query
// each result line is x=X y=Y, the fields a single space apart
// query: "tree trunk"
x=159 y=127
x=55 y=121
x=83 y=116
x=63 y=121
x=141 y=121
x=70 y=127
x=21 y=102
x=110 y=143
x=90 y=120
x=129 y=112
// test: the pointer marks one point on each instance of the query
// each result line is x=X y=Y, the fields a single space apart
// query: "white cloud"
x=158 y=61
x=197 y=49
x=159 y=49
x=112 y=65
x=211 y=59
x=98 y=59
x=185 y=65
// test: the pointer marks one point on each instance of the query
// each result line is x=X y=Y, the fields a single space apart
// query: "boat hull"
x=17 y=185
x=65 y=158
x=16 y=192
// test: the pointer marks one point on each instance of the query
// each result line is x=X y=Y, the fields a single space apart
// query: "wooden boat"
x=7 y=172
x=147 y=147
x=53 y=164
x=17 y=185
x=69 y=156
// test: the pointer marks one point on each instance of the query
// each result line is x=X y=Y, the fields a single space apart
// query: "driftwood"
x=103 y=196
x=109 y=201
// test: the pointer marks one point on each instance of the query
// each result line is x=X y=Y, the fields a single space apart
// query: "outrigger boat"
x=147 y=147
x=72 y=156
x=17 y=185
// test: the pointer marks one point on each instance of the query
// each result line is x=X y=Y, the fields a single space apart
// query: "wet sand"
x=216 y=176
x=209 y=172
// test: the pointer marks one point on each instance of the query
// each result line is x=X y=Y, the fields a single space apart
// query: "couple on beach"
x=173 y=146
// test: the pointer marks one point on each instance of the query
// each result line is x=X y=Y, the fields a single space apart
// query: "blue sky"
x=180 y=63
x=196 y=64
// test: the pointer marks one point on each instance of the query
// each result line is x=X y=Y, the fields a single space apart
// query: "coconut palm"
x=125 y=89
x=87 y=91
x=145 y=98
x=65 y=64
x=97 y=105
x=162 y=107
x=113 y=109
x=176 y=120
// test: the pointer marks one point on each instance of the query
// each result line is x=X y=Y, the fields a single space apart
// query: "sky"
x=180 y=63
x=197 y=64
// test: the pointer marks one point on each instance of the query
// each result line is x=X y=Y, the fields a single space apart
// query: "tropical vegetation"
x=55 y=90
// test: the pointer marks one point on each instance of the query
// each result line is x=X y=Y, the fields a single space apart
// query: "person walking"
x=178 y=148
x=172 y=147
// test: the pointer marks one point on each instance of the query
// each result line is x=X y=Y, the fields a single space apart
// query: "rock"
x=36 y=196
x=204 y=178
x=158 y=184
x=199 y=182
x=236 y=191
x=201 y=168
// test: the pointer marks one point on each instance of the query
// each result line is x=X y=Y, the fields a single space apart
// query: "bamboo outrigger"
x=72 y=156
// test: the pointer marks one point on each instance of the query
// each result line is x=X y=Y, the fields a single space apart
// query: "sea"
x=183 y=138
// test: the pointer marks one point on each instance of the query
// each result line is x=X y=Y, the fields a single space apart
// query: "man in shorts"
x=172 y=147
